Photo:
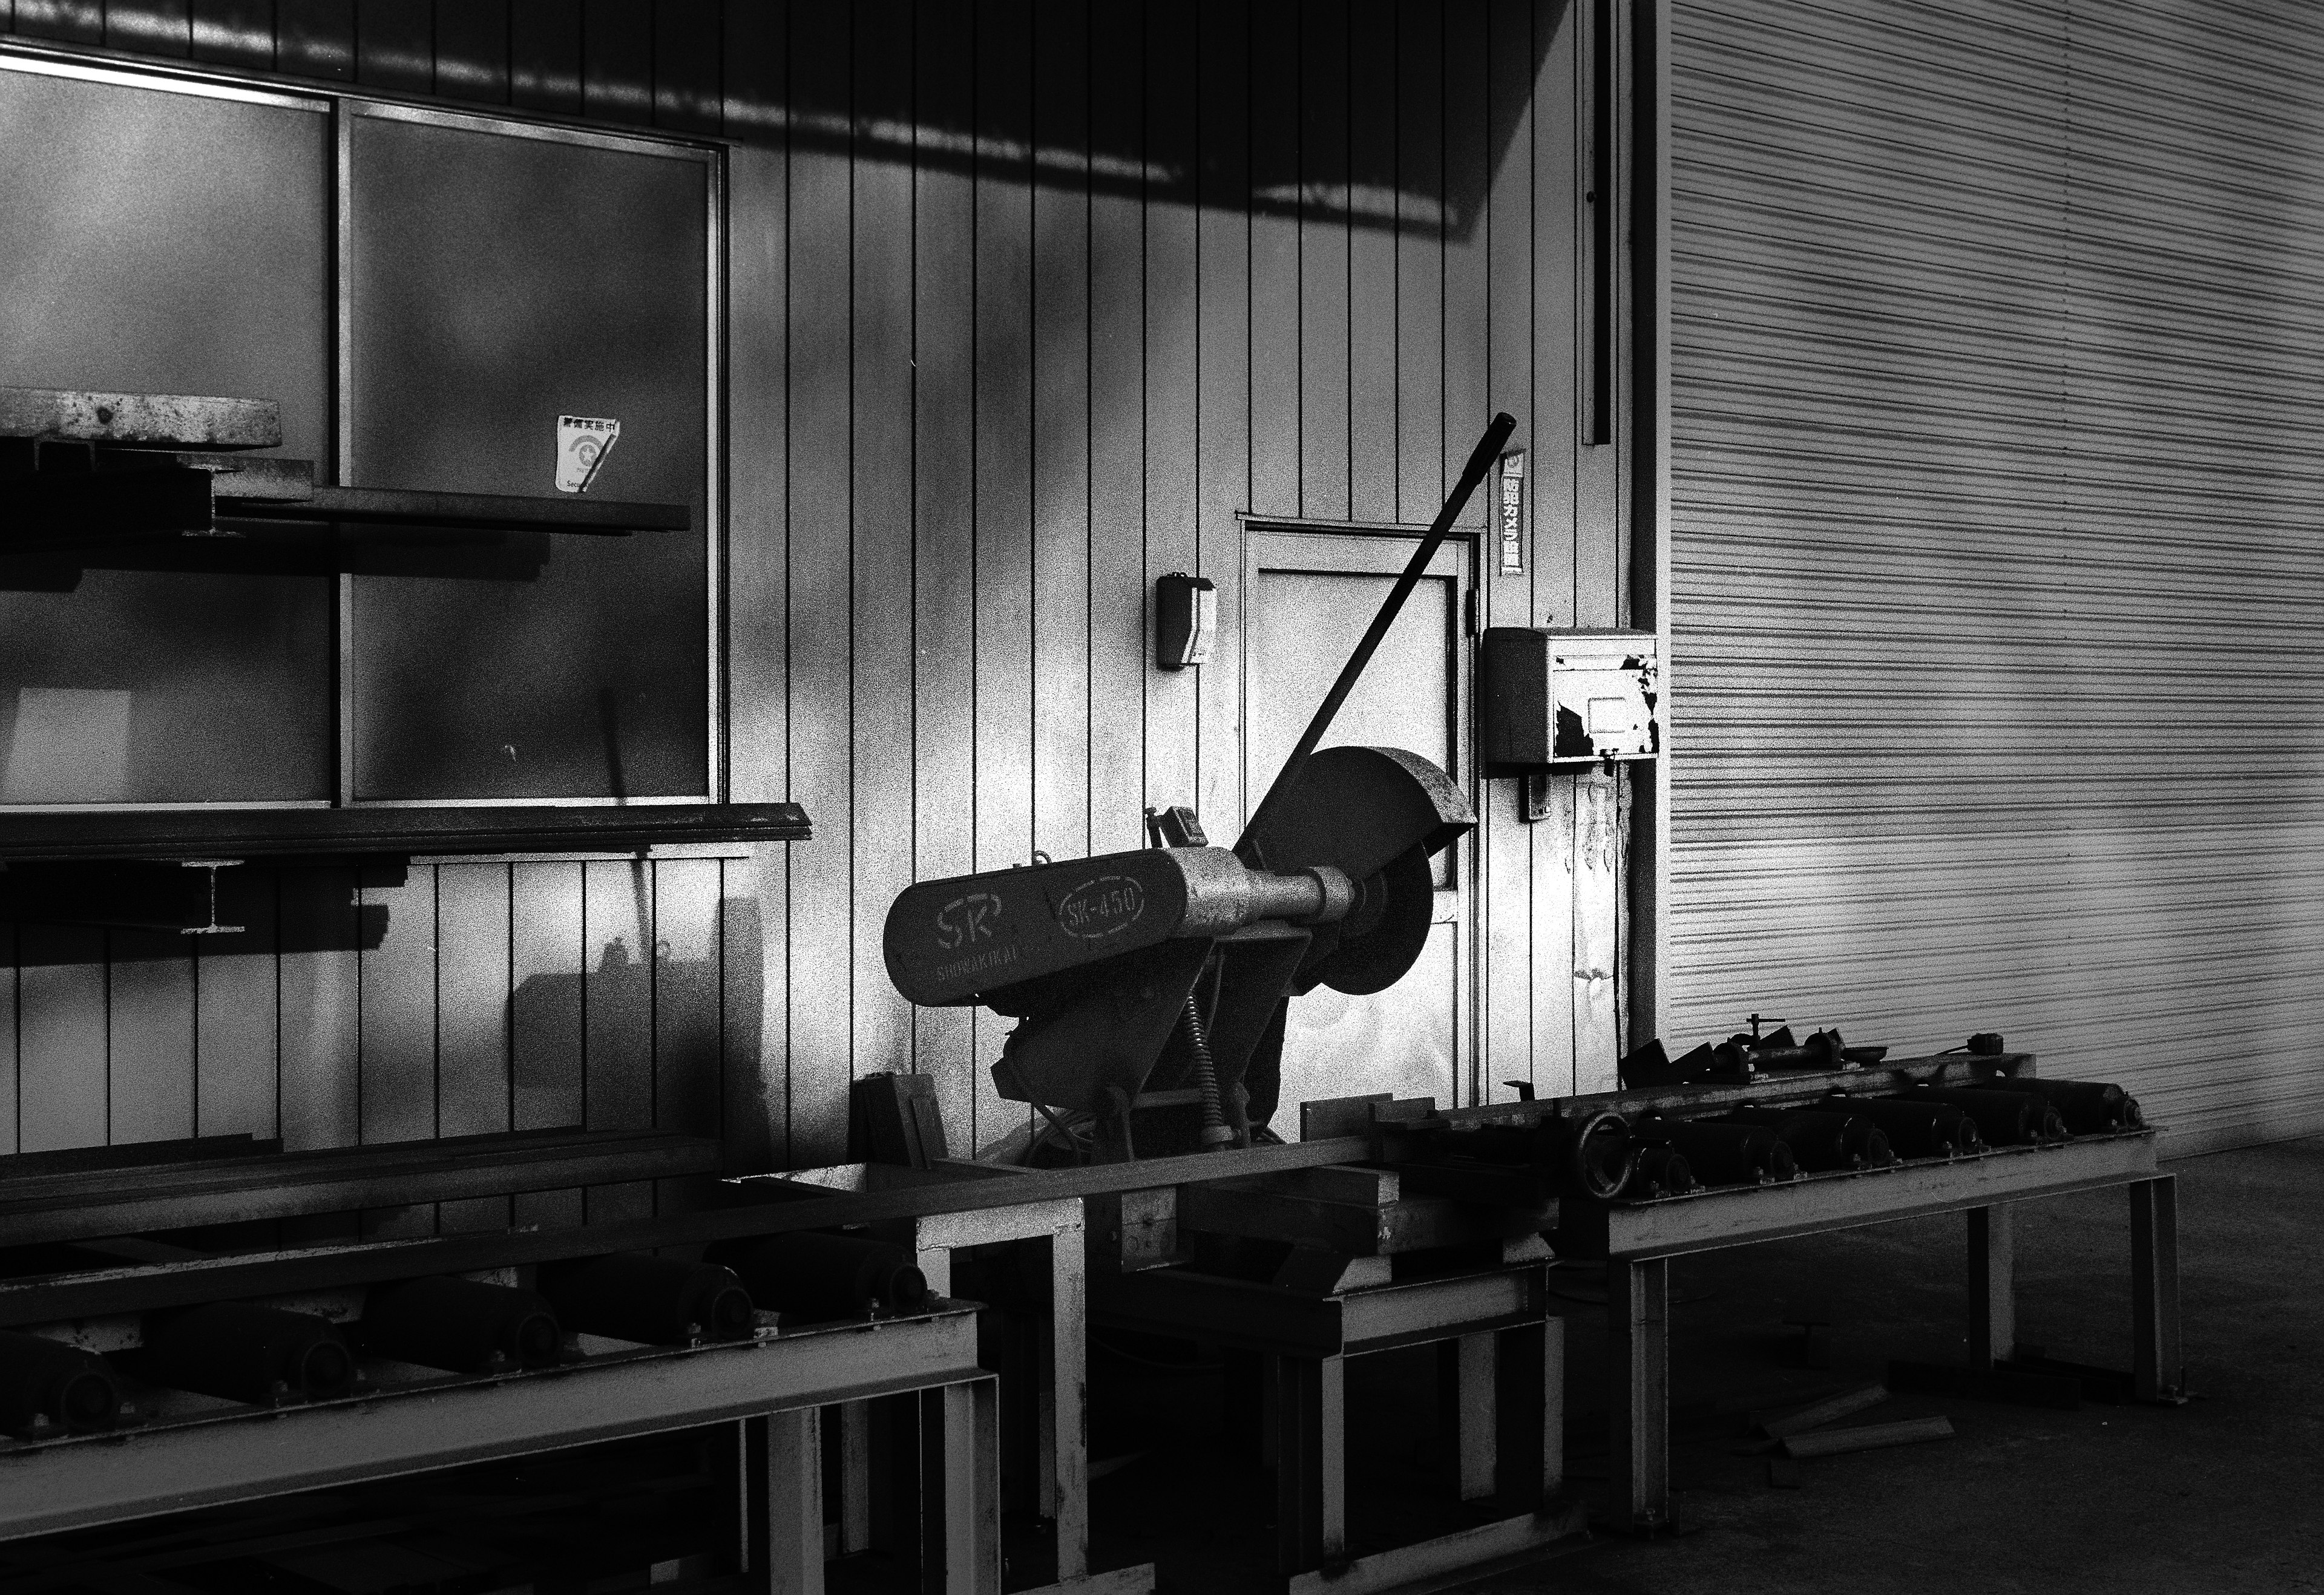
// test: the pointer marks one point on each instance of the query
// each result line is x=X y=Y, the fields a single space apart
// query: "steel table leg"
x=1065 y=1470
x=1475 y=1411
x=855 y=1477
x=1552 y=1407
x=1531 y=1388
x=1311 y=1506
x=1992 y=1287
x=1638 y=1340
x=782 y=1467
x=960 y=1489
x=2156 y=1365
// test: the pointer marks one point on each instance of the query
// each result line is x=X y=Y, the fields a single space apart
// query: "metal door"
x=1308 y=597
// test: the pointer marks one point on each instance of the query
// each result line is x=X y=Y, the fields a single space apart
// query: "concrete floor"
x=2226 y=1493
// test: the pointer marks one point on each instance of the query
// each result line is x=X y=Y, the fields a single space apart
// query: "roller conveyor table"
x=1638 y=1238
x=194 y=1452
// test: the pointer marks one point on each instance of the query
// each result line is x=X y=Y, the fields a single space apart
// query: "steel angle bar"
x=51 y=1297
x=1438 y=1309
x=463 y=511
x=1737 y=1215
x=246 y=1454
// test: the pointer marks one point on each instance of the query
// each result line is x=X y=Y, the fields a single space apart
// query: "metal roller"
x=1660 y=1171
x=1822 y=1141
x=45 y=1381
x=2003 y=1118
x=634 y=1295
x=2089 y=1107
x=1589 y=1153
x=817 y=1277
x=460 y=1324
x=1733 y=1153
x=1914 y=1126
x=245 y=1353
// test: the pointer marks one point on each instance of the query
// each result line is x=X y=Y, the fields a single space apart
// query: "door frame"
x=1385 y=549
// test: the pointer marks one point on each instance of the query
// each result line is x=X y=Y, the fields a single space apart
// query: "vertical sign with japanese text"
x=1512 y=513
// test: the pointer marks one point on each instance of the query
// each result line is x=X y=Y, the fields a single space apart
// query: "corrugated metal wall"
x=1027 y=300
x=1999 y=585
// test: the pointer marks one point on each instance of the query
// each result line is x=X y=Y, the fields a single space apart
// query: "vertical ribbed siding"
x=1997 y=583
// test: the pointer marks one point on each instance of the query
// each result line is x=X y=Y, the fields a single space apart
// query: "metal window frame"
x=343 y=106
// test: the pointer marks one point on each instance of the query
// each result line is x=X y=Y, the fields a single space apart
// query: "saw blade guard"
x=1378 y=815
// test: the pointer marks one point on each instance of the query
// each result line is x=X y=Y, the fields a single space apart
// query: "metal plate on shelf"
x=156 y=420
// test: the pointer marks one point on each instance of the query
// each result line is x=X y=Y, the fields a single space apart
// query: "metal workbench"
x=1638 y=1238
x=1507 y=1367
x=1060 y=1490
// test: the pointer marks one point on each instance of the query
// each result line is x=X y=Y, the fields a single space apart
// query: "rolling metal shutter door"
x=1999 y=575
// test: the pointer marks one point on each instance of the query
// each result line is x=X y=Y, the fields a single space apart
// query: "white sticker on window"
x=583 y=442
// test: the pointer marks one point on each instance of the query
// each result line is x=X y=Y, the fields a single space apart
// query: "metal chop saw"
x=1151 y=986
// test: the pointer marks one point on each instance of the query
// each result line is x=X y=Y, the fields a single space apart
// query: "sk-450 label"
x=1102 y=908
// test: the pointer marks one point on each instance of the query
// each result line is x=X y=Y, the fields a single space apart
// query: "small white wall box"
x=1549 y=698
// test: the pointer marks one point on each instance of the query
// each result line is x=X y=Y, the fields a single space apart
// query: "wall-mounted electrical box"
x=1548 y=697
x=1185 y=620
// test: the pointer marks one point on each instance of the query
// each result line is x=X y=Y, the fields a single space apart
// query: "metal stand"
x=1992 y=1287
x=1637 y=1345
x=1056 y=1484
x=769 y=1390
x=1504 y=1358
x=1637 y=1239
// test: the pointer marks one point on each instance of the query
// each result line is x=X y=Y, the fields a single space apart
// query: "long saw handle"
x=1488 y=450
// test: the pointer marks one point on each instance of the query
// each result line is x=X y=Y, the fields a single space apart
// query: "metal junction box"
x=1548 y=697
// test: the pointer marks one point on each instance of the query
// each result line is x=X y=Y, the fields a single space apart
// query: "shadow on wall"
x=856 y=79
x=663 y=1043
x=1316 y=53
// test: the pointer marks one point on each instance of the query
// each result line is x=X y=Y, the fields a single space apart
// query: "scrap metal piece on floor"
x=1832 y=1443
x=1832 y=1409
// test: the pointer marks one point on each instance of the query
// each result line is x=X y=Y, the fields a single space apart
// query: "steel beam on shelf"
x=225 y=1188
x=388 y=831
x=468 y=512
